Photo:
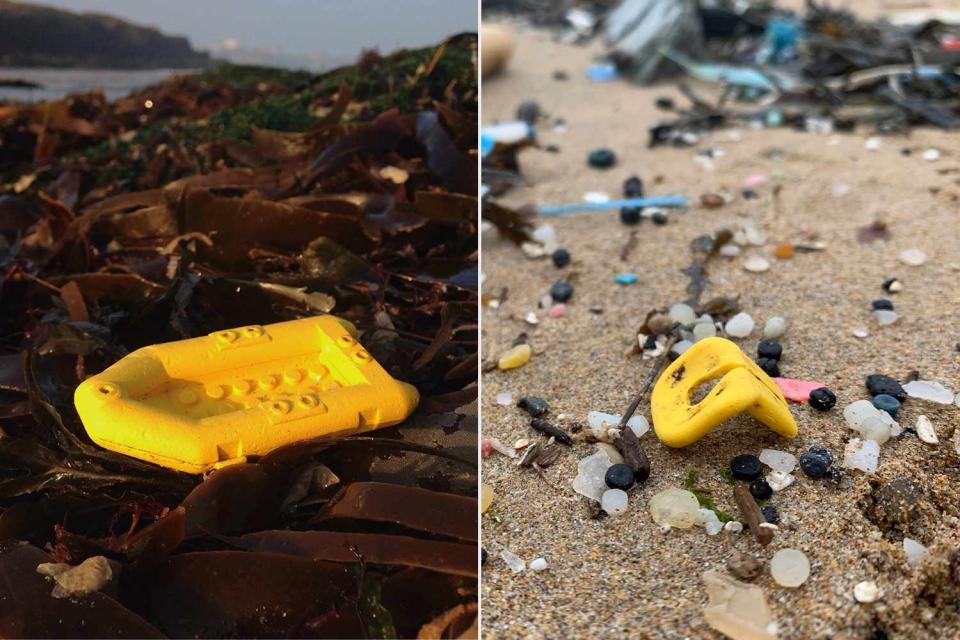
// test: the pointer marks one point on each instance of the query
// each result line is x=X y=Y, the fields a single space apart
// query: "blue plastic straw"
x=573 y=207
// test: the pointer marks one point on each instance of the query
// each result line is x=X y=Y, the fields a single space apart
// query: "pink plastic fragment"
x=755 y=180
x=797 y=390
x=557 y=311
x=486 y=447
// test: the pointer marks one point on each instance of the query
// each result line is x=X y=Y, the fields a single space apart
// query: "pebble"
x=823 y=399
x=913 y=257
x=756 y=264
x=533 y=405
x=561 y=291
x=928 y=390
x=531 y=318
x=814 y=465
x=596 y=197
x=682 y=313
x=861 y=454
x=712 y=200
x=892 y=285
x=877 y=384
x=887 y=403
x=675 y=507
x=487 y=495
x=770 y=349
x=736 y=609
x=513 y=561
x=707 y=519
x=625 y=278
x=703 y=330
x=659 y=218
x=538 y=564
x=740 y=325
x=515 y=357
x=778 y=460
x=885 y=317
x=866 y=591
x=769 y=366
x=529 y=112
x=860 y=332
x=761 y=489
x=872 y=144
x=925 y=430
x=931 y=155
x=774 y=327
x=730 y=250
x=790 y=567
x=614 y=501
x=619 y=476
x=504 y=399
x=557 y=311
x=630 y=215
x=778 y=480
x=746 y=467
x=591 y=474
x=896 y=502
x=744 y=566
x=914 y=551
x=770 y=514
x=633 y=187
x=561 y=258
x=602 y=158
x=733 y=526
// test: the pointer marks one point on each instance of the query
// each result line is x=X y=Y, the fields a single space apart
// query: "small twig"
x=752 y=514
x=544 y=477
x=651 y=378
x=627 y=248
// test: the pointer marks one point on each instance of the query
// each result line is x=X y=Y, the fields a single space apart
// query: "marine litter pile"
x=786 y=246
x=243 y=196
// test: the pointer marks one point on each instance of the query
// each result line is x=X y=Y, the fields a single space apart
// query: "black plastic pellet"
x=630 y=215
x=483 y=555
x=533 y=405
x=633 y=187
x=665 y=104
x=770 y=514
x=761 y=490
x=529 y=112
x=659 y=218
x=822 y=399
x=619 y=476
x=770 y=367
x=561 y=291
x=749 y=194
x=814 y=465
x=823 y=452
x=882 y=305
x=769 y=349
x=877 y=384
x=746 y=467
x=561 y=258
x=602 y=159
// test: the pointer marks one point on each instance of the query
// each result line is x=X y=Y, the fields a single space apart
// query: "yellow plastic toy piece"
x=743 y=387
x=204 y=403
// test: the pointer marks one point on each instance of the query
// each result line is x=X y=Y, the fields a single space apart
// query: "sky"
x=337 y=30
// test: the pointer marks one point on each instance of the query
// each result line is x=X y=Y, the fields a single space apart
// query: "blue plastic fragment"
x=603 y=72
x=625 y=278
x=653 y=201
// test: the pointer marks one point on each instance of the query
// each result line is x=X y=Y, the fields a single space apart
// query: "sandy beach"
x=622 y=577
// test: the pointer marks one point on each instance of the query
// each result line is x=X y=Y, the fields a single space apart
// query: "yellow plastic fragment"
x=203 y=403
x=742 y=386
x=515 y=357
x=486 y=497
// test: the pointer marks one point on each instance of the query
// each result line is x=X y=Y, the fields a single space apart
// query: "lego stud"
x=346 y=341
x=292 y=375
x=227 y=337
x=741 y=387
x=242 y=387
x=253 y=332
x=187 y=397
x=269 y=382
x=280 y=407
x=308 y=401
x=217 y=391
x=108 y=390
x=361 y=356
x=318 y=372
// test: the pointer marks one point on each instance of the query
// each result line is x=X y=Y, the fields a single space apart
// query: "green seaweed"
x=376 y=617
x=703 y=498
